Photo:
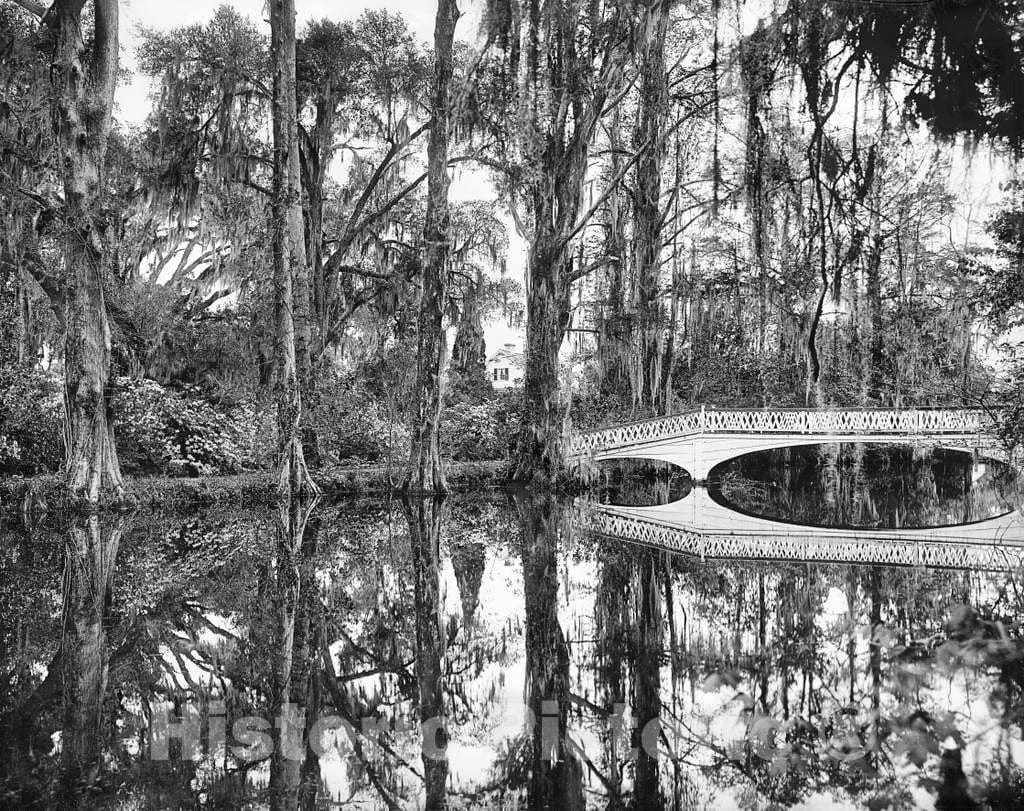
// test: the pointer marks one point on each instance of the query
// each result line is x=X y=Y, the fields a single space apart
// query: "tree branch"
x=351 y=228
x=35 y=8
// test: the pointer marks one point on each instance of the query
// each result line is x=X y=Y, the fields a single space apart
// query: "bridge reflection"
x=699 y=527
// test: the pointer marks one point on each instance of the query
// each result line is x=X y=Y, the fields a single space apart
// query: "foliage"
x=352 y=425
x=467 y=376
x=179 y=432
x=31 y=439
x=1010 y=407
x=1001 y=270
x=966 y=58
x=328 y=55
x=480 y=431
x=747 y=249
x=160 y=430
x=214 y=76
x=595 y=408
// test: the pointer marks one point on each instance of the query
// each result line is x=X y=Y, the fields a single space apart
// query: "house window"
x=500 y=374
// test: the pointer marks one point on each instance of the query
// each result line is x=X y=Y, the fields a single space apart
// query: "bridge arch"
x=697 y=441
x=698 y=456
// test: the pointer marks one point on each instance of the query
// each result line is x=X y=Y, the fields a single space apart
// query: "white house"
x=505 y=368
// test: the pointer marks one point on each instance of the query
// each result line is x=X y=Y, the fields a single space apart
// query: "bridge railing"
x=853 y=421
x=802 y=544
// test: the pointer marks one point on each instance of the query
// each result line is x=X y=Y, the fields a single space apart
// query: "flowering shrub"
x=10 y=452
x=161 y=430
x=472 y=433
x=31 y=438
x=468 y=432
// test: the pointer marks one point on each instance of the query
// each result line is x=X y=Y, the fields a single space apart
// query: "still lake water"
x=864 y=486
x=759 y=685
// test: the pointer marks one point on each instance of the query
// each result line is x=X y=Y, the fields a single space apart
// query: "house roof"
x=508 y=356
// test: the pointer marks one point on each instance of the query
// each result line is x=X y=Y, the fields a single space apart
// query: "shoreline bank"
x=45 y=493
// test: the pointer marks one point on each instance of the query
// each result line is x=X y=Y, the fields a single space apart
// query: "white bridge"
x=696 y=525
x=698 y=440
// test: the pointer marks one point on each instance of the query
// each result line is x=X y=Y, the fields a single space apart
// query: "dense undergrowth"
x=187 y=431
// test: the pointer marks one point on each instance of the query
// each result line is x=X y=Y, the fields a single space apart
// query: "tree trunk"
x=291 y=277
x=469 y=352
x=315 y=158
x=811 y=70
x=315 y=153
x=613 y=340
x=873 y=293
x=426 y=473
x=669 y=360
x=756 y=146
x=83 y=101
x=425 y=518
x=813 y=394
x=540 y=450
x=649 y=141
x=558 y=114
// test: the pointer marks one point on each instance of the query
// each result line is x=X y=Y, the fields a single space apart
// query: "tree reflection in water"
x=555 y=773
x=853 y=484
x=638 y=482
x=774 y=682
x=425 y=517
x=84 y=653
x=293 y=595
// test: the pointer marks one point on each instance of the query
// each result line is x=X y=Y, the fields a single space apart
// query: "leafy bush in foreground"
x=31 y=434
x=484 y=431
x=352 y=425
x=161 y=430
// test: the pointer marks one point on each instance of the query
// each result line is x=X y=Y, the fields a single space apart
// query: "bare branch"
x=351 y=227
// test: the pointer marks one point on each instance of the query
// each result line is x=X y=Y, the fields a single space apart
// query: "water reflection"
x=84 y=652
x=466 y=653
x=857 y=485
x=638 y=483
x=425 y=517
x=555 y=775
x=291 y=591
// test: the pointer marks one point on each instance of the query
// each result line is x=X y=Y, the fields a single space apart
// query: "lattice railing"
x=799 y=546
x=854 y=422
x=637 y=433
